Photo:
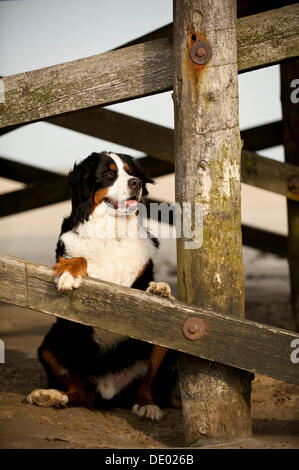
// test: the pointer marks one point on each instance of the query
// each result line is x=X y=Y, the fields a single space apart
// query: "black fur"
x=73 y=346
x=142 y=282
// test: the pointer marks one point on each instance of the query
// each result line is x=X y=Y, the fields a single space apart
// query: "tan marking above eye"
x=112 y=166
x=127 y=167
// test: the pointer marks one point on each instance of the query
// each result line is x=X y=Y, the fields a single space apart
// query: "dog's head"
x=114 y=180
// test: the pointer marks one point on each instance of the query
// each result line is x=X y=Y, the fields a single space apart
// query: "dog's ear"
x=144 y=183
x=82 y=181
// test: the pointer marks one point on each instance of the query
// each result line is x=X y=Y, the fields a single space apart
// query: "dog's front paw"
x=67 y=282
x=160 y=288
x=69 y=272
x=152 y=412
x=48 y=398
x=106 y=387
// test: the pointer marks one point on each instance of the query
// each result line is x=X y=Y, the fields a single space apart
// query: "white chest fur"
x=113 y=252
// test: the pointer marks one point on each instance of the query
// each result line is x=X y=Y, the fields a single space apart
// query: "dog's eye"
x=109 y=175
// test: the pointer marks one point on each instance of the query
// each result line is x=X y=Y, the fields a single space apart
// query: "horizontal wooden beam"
x=98 y=80
x=25 y=173
x=262 y=137
x=150 y=138
x=268 y=38
x=268 y=174
x=228 y=340
x=264 y=240
x=40 y=194
x=157 y=141
x=5 y=130
x=244 y=8
x=136 y=71
x=154 y=167
x=253 y=7
x=121 y=129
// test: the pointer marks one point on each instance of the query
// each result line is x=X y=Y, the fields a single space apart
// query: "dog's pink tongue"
x=131 y=202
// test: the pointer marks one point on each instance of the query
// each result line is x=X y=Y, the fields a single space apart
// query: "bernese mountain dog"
x=90 y=367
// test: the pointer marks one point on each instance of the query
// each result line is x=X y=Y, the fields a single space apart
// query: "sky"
x=40 y=33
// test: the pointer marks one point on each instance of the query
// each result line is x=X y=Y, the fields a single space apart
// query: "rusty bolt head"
x=294 y=184
x=200 y=52
x=194 y=328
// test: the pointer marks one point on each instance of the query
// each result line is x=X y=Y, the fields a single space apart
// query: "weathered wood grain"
x=244 y=8
x=136 y=71
x=13 y=273
x=215 y=399
x=272 y=38
x=229 y=340
x=268 y=174
x=93 y=81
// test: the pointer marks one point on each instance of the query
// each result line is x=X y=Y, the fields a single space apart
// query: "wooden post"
x=216 y=399
x=290 y=109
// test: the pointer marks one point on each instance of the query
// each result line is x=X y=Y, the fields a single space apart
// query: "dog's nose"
x=134 y=183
